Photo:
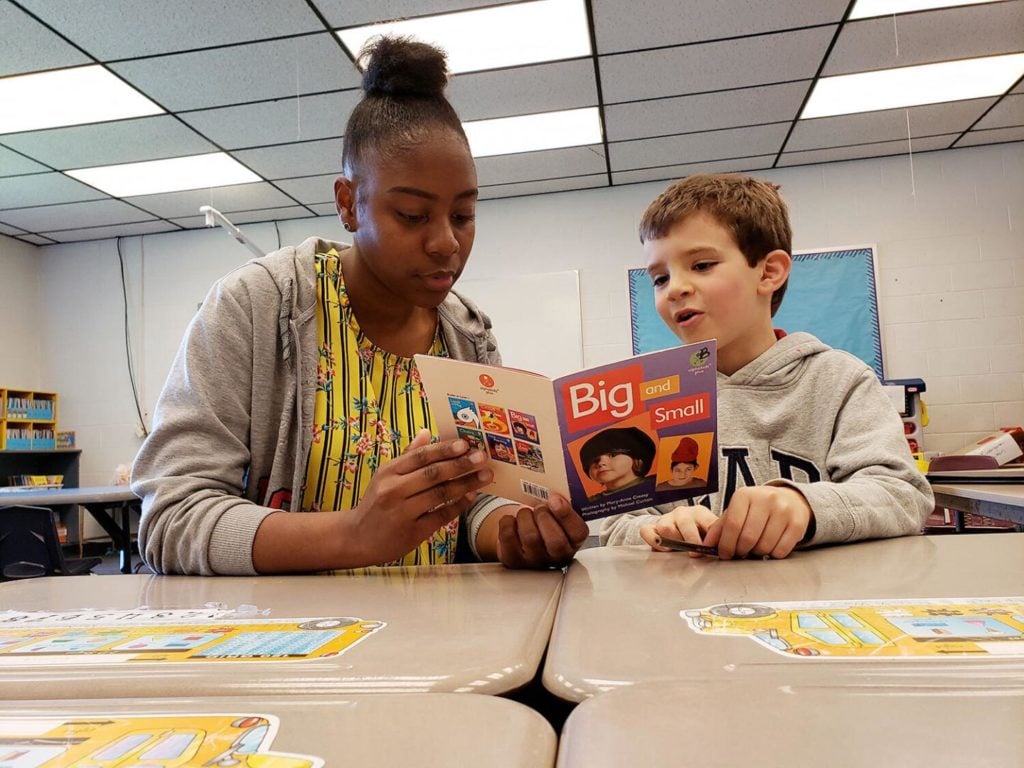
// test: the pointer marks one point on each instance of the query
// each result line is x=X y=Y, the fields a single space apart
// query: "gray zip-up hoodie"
x=233 y=424
x=815 y=418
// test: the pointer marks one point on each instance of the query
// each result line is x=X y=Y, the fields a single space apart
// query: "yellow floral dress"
x=369 y=404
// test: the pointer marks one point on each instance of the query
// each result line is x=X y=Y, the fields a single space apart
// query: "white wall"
x=20 y=311
x=951 y=285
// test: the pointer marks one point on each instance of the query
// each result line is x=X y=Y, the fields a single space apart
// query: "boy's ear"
x=345 y=202
x=774 y=271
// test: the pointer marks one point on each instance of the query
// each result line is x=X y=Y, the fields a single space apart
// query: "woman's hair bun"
x=400 y=66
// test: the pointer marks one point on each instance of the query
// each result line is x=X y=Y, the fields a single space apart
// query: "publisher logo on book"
x=700 y=359
x=487 y=384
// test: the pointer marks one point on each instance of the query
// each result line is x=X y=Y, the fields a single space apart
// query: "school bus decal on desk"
x=177 y=635
x=984 y=627
x=154 y=741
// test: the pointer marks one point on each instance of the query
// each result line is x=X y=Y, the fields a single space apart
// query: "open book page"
x=508 y=413
x=641 y=431
x=613 y=438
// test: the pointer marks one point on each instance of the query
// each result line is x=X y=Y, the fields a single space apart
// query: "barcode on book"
x=537 y=491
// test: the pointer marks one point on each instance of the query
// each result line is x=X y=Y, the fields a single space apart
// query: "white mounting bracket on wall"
x=214 y=217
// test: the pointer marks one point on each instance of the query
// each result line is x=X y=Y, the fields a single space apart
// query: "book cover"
x=612 y=438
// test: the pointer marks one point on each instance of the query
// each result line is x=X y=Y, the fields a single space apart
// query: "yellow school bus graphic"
x=152 y=741
x=936 y=628
x=172 y=636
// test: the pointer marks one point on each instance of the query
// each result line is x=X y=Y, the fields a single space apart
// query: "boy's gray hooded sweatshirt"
x=233 y=424
x=815 y=418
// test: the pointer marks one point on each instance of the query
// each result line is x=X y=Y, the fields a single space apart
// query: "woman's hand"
x=539 y=537
x=415 y=494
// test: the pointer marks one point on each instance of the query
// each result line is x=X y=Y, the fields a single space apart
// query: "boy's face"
x=682 y=473
x=613 y=470
x=704 y=289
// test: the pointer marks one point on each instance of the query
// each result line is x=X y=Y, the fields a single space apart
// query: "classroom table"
x=110 y=506
x=1002 y=501
x=457 y=628
x=443 y=729
x=622 y=616
x=678 y=723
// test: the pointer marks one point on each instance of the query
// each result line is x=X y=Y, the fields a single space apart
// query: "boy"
x=618 y=458
x=683 y=464
x=812 y=451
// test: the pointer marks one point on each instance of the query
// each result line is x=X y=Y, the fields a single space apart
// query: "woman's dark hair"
x=403 y=86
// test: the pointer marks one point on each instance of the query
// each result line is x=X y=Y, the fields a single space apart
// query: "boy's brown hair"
x=749 y=208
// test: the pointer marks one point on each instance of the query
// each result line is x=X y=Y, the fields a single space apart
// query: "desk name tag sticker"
x=962 y=627
x=208 y=739
x=168 y=636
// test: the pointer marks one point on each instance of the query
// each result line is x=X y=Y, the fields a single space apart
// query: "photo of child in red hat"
x=683 y=464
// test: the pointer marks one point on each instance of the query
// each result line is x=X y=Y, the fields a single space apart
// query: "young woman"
x=294 y=389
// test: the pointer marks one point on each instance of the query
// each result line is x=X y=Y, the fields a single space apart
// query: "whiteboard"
x=536 y=317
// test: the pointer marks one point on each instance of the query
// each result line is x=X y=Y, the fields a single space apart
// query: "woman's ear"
x=775 y=269
x=345 y=202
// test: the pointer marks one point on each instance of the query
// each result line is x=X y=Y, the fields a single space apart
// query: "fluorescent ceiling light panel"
x=489 y=38
x=172 y=175
x=529 y=133
x=913 y=86
x=865 y=9
x=68 y=97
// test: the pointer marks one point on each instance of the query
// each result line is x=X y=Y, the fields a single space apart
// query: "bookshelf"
x=28 y=420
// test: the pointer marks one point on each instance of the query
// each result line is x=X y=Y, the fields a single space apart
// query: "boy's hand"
x=547 y=535
x=765 y=520
x=686 y=523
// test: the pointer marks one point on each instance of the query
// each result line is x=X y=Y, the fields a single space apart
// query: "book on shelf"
x=612 y=438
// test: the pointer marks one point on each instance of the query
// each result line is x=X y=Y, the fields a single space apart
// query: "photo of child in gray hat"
x=618 y=458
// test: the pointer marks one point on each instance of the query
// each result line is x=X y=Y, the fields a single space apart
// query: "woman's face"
x=613 y=470
x=413 y=215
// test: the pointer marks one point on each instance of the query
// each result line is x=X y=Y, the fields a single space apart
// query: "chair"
x=29 y=546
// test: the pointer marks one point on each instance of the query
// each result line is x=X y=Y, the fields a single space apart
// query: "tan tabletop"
x=621 y=617
x=746 y=724
x=1003 y=501
x=463 y=628
x=303 y=732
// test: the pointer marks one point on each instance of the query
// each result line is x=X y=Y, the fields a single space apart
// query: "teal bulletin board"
x=831 y=294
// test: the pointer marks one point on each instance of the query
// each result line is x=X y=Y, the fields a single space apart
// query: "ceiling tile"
x=714 y=66
x=886 y=125
x=287 y=161
x=12 y=164
x=879 y=149
x=541 y=187
x=275 y=122
x=629 y=26
x=524 y=90
x=251 y=217
x=73 y=215
x=37 y=239
x=354 y=13
x=28 y=46
x=6 y=229
x=311 y=189
x=42 y=189
x=121 y=29
x=242 y=73
x=922 y=38
x=236 y=197
x=121 y=141
x=105 y=233
x=1007 y=113
x=996 y=136
x=537 y=166
x=672 y=172
x=697 y=147
x=704 y=112
x=324 y=209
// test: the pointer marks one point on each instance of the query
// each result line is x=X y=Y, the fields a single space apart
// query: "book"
x=611 y=439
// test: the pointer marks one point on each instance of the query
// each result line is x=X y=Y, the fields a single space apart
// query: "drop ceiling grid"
x=718 y=88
